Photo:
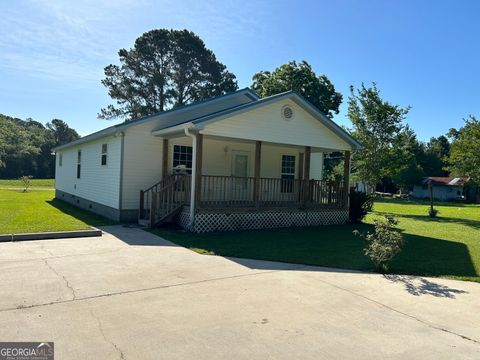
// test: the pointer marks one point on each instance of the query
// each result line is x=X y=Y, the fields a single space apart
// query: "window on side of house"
x=79 y=163
x=182 y=155
x=288 y=173
x=60 y=159
x=104 y=154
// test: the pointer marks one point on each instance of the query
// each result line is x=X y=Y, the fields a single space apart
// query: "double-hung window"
x=79 y=163
x=288 y=173
x=182 y=155
x=104 y=154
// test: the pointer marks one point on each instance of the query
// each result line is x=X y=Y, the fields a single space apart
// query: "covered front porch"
x=220 y=183
x=257 y=165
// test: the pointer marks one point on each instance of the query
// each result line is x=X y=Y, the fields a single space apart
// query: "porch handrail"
x=232 y=191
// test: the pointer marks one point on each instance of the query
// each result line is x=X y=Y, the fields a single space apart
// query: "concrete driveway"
x=132 y=295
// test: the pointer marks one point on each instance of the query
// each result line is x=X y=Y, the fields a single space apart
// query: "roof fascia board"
x=97 y=135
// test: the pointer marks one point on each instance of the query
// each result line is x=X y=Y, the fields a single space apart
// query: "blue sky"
x=420 y=53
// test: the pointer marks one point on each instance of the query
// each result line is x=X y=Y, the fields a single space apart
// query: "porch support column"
x=198 y=169
x=256 y=188
x=165 y=158
x=306 y=175
x=346 y=179
x=301 y=160
x=306 y=169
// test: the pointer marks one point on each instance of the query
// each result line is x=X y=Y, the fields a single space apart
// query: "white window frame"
x=179 y=150
x=104 y=154
x=79 y=163
x=288 y=177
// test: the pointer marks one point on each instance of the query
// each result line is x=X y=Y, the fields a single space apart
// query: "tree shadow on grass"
x=439 y=219
x=330 y=246
x=429 y=256
x=80 y=214
x=420 y=286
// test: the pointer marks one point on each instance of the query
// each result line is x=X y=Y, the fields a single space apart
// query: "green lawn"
x=448 y=246
x=34 y=183
x=37 y=211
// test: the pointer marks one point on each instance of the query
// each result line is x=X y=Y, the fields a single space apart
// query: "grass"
x=447 y=246
x=34 y=183
x=38 y=211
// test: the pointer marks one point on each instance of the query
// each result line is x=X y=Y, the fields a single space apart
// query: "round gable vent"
x=287 y=112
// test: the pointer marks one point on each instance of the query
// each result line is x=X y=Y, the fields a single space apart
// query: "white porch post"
x=193 y=178
x=346 y=179
x=196 y=187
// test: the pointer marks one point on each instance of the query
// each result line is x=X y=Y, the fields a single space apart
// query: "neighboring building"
x=443 y=188
x=232 y=162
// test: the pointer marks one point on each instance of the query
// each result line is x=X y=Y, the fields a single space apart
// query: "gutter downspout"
x=193 y=177
x=120 y=190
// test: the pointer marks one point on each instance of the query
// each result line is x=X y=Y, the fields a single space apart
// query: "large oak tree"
x=300 y=78
x=164 y=69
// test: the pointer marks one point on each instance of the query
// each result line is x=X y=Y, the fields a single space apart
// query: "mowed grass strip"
x=448 y=246
x=38 y=211
x=34 y=183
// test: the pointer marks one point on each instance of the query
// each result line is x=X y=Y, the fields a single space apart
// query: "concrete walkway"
x=132 y=295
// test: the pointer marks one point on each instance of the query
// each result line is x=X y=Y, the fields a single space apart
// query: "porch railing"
x=229 y=191
x=166 y=197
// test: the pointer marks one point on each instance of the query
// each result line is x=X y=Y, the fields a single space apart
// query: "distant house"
x=443 y=188
x=231 y=162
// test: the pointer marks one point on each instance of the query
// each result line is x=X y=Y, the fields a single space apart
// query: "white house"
x=231 y=162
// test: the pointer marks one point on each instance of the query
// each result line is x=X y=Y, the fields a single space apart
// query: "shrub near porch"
x=447 y=246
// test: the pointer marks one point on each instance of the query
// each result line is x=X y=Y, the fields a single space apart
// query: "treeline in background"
x=26 y=146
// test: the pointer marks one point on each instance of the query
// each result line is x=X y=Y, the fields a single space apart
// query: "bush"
x=360 y=205
x=384 y=243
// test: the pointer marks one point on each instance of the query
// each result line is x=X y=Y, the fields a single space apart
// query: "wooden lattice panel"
x=264 y=219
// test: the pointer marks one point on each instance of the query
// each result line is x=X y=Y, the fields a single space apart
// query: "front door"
x=241 y=186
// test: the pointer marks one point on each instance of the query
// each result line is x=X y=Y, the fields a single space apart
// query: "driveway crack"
x=67 y=283
x=100 y=327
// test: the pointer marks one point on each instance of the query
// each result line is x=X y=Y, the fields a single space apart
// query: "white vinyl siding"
x=96 y=183
x=267 y=124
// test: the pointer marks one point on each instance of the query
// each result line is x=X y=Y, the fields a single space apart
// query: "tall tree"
x=377 y=124
x=61 y=132
x=303 y=80
x=405 y=167
x=164 y=69
x=437 y=151
x=464 y=159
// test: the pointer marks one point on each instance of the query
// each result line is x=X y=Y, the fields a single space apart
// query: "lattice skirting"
x=208 y=221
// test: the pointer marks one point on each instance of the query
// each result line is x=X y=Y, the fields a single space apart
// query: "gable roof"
x=184 y=113
x=200 y=122
x=445 y=180
x=201 y=113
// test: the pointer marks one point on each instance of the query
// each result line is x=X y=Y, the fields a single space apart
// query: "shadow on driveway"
x=420 y=286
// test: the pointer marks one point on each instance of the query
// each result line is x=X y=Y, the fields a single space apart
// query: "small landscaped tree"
x=26 y=182
x=384 y=243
